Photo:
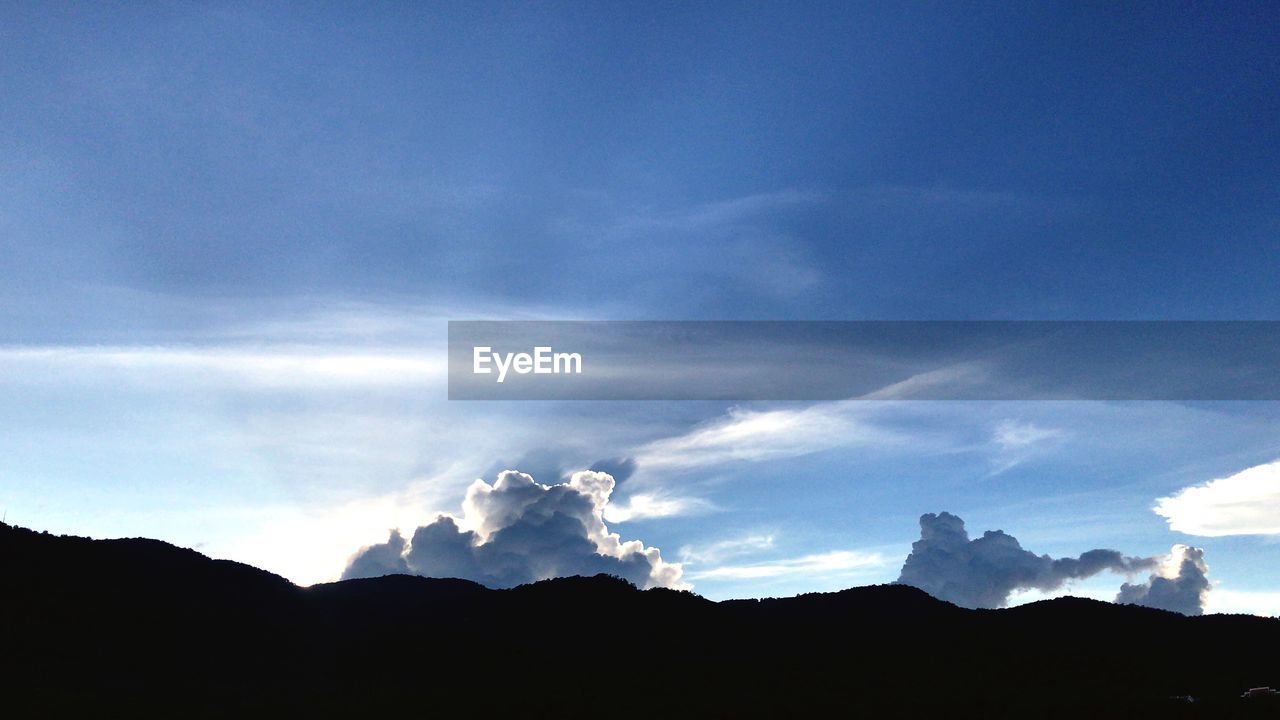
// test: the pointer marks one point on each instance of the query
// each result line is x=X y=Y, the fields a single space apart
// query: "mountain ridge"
x=146 y=626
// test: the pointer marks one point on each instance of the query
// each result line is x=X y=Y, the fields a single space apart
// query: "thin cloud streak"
x=719 y=551
x=745 y=435
x=757 y=435
x=836 y=562
x=291 y=367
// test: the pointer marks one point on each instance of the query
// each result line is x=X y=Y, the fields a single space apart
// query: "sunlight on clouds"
x=1246 y=503
x=517 y=530
x=654 y=505
x=1023 y=596
x=309 y=546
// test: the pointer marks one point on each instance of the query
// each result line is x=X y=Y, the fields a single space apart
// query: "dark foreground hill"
x=114 y=628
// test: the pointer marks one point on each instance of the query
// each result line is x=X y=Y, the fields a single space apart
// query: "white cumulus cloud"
x=517 y=531
x=1246 y=503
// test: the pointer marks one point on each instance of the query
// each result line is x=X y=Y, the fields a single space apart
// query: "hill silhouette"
x=140 y=627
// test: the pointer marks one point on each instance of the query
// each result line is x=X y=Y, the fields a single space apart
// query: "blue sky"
x=230 y=237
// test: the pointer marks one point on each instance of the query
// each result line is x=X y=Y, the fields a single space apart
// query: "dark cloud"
x=981 y=573
x=620 y=468
x=547 y=464
x=378 y=560
x=518 y=531
x=1182 y=588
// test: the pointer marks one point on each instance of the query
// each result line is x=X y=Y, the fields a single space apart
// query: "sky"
x=231 y=237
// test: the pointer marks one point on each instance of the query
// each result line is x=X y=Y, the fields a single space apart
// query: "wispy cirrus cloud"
x=1016 y=441
x=720 y=213
x=819 y=565
x=744 y=435
x=747 y=240
x=263 y=366
x=751 y=435
x=942 y=198
x=722 y=549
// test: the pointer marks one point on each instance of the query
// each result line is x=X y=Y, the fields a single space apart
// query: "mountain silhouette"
x=142 y=628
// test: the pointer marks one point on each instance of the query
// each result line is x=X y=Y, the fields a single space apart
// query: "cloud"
x=1247 y=503
x=517 y=531
x=718 y=551
x=837 y=562
x=378 y=560
x=550 y=464
x=655 y=505
x=620 y=468
x=1014 y=435
x=749 y=241
x=750 y=435
x=983 y=572
x=1180 y=585
x=733 y=212
x=935 y=383
x=757 y=435
x=1250 y=602
x=1016 y=442
x=713 y=556
x=258 y=367
x=921 y=199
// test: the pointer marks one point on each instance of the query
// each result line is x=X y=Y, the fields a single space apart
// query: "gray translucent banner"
x=927 y=360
